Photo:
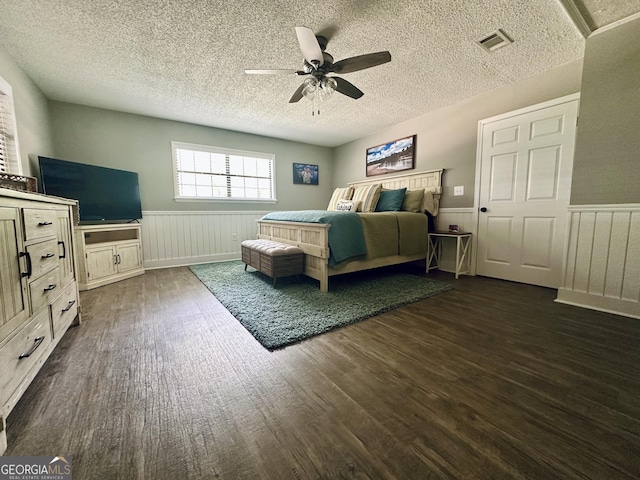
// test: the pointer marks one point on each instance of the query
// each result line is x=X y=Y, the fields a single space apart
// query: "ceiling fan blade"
x=271 y=72
x=353 y=64
x=348 y=88
x=297 y=95
x=309 y=45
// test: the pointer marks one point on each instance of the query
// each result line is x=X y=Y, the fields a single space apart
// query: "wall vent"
x=494 y=41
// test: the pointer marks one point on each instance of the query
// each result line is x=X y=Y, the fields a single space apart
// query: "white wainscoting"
x=172 y=239
x=602 y=265
x=463 y=217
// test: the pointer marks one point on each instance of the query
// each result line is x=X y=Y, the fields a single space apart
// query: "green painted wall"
x=143 y=144
x=606 y=168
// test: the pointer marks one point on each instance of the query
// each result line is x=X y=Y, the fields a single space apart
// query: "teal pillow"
x=390 y=200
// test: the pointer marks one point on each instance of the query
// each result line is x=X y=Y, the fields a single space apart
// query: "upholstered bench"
x=273 y=258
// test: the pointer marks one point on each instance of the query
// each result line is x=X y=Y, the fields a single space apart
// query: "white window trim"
x=227 y=151
x=14 y=164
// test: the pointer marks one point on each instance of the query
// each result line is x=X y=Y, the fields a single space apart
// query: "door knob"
x=483 y=209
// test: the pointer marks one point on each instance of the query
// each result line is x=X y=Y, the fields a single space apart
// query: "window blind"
x=9 y=160
x=206 y=172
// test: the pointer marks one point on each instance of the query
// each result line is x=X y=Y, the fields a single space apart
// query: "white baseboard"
x=602 y=304
x=182 y=262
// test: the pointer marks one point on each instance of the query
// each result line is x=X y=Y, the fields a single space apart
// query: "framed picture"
x=392 y=157
x=305 y=174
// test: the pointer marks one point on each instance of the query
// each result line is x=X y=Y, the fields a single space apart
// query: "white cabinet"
x=129 y=257
x=108 y=253
x=101 y=262
x=38 y=291
x=13 y=285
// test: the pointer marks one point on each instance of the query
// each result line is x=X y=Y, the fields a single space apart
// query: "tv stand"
x=108 y=253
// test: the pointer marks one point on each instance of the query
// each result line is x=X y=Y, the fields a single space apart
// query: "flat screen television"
x=104 y=194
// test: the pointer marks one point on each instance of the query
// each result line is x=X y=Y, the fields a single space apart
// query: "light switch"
x=458 y=191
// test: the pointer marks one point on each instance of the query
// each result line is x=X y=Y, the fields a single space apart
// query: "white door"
x=525 y=183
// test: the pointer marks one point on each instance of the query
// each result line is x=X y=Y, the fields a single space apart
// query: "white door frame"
x=481 y=125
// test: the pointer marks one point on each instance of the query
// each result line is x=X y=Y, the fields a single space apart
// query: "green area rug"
x=292 y=311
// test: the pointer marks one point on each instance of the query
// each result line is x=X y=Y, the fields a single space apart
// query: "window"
x=9 y=157
x=203 y=172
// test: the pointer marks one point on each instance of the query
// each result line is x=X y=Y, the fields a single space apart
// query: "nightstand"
x=463 y=250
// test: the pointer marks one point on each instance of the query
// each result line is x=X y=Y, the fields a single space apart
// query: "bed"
x=313 y=238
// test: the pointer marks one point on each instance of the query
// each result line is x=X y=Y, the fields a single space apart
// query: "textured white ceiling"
x=185 y=60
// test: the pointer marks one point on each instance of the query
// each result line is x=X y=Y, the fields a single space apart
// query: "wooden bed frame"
x=313 y=238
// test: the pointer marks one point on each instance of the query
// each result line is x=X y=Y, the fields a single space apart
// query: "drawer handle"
x=44 y=224
x=48 y=255
x=68 y=307
x=50 y=287
x=64 y=249
x=29 y=269
x=35 y=345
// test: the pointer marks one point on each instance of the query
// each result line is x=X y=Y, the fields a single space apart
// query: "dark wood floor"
x=490 y=380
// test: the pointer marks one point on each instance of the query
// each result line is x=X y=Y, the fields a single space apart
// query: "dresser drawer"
x=39 y=223
x=44 y=289
x=64 y=310
x=22 y=352
x=44 y=257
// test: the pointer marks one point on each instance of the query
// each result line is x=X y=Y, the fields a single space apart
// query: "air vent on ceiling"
x=494 y=41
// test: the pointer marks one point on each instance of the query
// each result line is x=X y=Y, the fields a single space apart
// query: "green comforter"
x=346 y=240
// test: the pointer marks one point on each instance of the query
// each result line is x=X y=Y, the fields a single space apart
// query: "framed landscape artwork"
x=305 y=174
x=392 y=157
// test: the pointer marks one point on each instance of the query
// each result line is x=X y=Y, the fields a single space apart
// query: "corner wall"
x=605 y=169
x=602 y=268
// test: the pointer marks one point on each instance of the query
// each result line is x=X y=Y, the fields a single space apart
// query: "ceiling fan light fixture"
x=317 y=63
x=310 y=88
x=327 y=86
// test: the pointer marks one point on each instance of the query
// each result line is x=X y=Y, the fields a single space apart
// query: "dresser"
x=38 y=288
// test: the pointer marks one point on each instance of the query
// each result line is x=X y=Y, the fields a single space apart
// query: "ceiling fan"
x=318 y=64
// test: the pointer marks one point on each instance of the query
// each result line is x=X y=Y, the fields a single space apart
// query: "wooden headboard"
x=430 y=181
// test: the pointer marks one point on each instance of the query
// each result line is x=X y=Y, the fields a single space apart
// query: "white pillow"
x=347 y=206
x=339 y=194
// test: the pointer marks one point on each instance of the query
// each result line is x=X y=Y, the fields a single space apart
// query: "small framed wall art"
x=305 y=174
x=392 y=157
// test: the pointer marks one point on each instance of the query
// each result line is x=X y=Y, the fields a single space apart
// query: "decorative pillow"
x=368 y=196
x=347 y=206
x=413 y=201
x=390 y=200
x=339 y=194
